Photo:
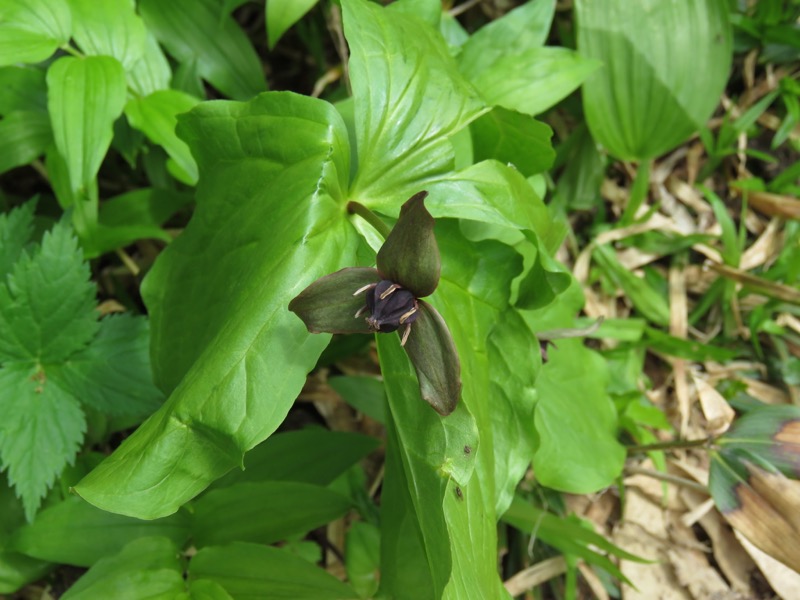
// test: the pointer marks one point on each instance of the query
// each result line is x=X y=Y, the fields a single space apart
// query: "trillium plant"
x=387 y=299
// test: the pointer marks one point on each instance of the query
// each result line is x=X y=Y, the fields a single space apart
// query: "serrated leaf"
x=264 y=512
x=76 y=533
x=31 y=30
x=40 y=433
x=26 y=135
x=647 y=98
x=224 y=342
x=576 y=422
x=524 y=28
x=513 y=138
x=146 y=568
x=534 y=80
x=16 y=229
x=256 y=571
x=409 y=98
x=152 y=71
x=47 y=302
x=85 y=96
x=282 y=14
x=108 y=28
x=113 y=374
x=195 y=30
x=156 y=115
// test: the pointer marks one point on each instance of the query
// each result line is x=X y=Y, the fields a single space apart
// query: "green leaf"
x=330 y=303
x=22 y=88
x=363 y=393
x=205 y=589
x=31 y=30
x=15 y=569
x=409 y=99
x=194 y=30
x=648 y=301
x=514 y=138
x=156 y=116
x=74 y=532
x=282 y=14
x=647 y=99
x=410 y=256
x=524 y=28
x=362 y=551
x=576 y=422
x=152 y=71
x=255 y=571
x=309 y=455
x=264 y=512
x=533 y=80
x=85 y=96
x=26 y=135
x=148 y=567
x=47 y=302
x=40 y=433
x=113 y=373
x=108 y=28
x=16 y=230
x=224 y=342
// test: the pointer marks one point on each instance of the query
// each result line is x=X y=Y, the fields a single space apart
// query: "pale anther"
x=389 y=290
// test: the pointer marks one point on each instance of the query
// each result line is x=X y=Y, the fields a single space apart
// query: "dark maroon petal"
x=435 y=358
x=397 y=307
x=329 y=306
x=410 y=256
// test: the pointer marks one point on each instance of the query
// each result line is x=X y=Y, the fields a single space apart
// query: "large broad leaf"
x=409 y=98
x=194 y=30
x=254 y=571
x=282 y=14
x=438 y=517
x=109 y=28
x=26 y=135
x=85 y=96
x=31 y=30
x=648 y=97
x=269 y=221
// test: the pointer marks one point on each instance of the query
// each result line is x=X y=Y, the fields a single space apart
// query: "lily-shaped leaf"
x=386 y=299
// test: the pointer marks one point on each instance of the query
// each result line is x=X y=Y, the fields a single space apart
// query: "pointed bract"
x=410 y=255
x=329 y=305
x=435 y=358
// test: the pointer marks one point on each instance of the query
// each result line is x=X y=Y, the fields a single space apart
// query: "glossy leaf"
x=31 y=30
x=108 y=28
x=85 y=96
x=225 y=346
x=254 y=571
x=194 y=30
x=409 y=98
x=514 y=138
x=152 y=71
x=74 y=532
x=156 y=116
x=26 y=135
x=410 y=256
x=22 y=87
x=647 y=98
x=330 y=304
x=264 y=512
x=524 y=28
x=533 y=80
x=148 y=567
x=282 y=14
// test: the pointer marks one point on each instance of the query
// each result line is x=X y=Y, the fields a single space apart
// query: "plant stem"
x=639 y=189
x=669 y=478
x=673 y=445
x=370 y=217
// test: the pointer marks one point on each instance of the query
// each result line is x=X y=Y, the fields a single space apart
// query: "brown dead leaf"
x=718 y=413
x=775 y=205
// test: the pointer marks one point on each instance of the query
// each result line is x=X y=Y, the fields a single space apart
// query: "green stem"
x=638 y=193
x=370 y=217
x=673 y=445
